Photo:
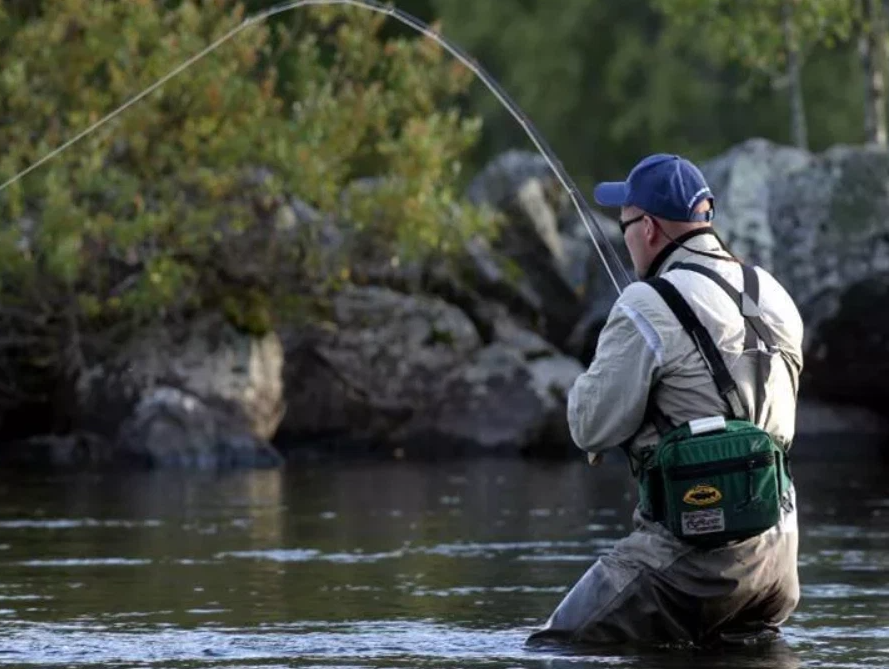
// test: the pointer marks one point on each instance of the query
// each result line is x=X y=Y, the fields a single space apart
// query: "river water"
x=383 y=565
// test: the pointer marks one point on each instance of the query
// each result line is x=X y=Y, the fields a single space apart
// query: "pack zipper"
x=731 y=466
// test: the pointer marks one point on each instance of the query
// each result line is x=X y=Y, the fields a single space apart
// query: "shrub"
x=176 y=204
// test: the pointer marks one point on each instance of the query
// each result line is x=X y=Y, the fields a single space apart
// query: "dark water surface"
x=382 y=565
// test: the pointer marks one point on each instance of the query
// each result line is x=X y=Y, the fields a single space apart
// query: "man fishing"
x=695 y=377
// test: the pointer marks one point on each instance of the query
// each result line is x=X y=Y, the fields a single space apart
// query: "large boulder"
x=743 y=180
x=205 y=395
x=831 y=220
x=522 y=186
x=367 y=369
x=498 y=402
x=595 y=282
x=542 y=265
x=400 y=373
x=171 y=428
x=831 y=432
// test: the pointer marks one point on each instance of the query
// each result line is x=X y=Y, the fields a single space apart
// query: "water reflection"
x=777 y=655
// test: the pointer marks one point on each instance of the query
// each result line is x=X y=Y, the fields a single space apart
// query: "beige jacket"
x=644 y=349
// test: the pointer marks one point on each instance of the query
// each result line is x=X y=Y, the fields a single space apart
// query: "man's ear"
x=651 y=230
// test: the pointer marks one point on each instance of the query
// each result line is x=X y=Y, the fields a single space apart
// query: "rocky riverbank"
x=477 y=357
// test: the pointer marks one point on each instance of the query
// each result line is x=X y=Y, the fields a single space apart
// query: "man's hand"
x=595 y=459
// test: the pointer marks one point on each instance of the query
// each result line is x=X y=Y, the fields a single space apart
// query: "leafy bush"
x=179 y=203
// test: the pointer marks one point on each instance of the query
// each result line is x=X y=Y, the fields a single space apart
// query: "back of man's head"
x=665 y=186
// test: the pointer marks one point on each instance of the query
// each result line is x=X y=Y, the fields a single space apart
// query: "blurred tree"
x=606 y=82
x=594 y=76
x=771 y=37
x=871 y=43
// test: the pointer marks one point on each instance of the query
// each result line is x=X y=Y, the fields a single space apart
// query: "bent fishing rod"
x=583 y=209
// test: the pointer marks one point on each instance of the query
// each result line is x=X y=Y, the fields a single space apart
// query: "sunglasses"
x=626 y=224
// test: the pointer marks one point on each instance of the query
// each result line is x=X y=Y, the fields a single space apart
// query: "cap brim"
x=611 y=193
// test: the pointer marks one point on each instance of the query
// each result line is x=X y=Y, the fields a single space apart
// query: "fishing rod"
x=583 y=209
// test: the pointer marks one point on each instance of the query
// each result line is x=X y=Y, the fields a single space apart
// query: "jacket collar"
x=700 y=239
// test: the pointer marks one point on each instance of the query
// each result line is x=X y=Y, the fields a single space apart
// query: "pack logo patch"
x=702 y=494
x=705 y=521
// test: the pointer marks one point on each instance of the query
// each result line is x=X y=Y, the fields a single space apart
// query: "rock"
x=371 y=367
x=542 y=266
x=586 y=242
x=847 y=352
x=831 y=220
x=173 y=429
x=553 y=377
x=743 y=180
x=75 y=451
x=496 y=403
x=584 y=259
x=497 y=280
x=821 y=418
x=830 y=432
x=217 y=389
x=409 y=373
x=594 y=283
x=527 y=343
x=522 y=186
x=488 y=404
x=502 y=177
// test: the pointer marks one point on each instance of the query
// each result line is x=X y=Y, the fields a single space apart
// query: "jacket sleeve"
x=607 y=403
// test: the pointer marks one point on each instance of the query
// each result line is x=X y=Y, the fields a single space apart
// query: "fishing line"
x=583 y=209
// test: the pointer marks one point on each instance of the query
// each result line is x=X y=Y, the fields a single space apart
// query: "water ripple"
x=84 y=562
x=454 y=550
x=421 y=642
x=75 y=523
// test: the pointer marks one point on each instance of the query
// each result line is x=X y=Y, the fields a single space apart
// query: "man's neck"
x=667 y=250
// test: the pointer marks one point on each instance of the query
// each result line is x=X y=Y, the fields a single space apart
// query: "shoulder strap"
x=753 y=321
x=725 y=384
x=755 y=329
x=747 y=301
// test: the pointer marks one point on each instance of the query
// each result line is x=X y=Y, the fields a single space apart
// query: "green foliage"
x=752 y=32
x=174 y=205
x=607 y=82
x=600 y=80
x=249 y=311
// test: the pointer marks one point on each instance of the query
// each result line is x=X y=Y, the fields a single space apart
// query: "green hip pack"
x=712 y=486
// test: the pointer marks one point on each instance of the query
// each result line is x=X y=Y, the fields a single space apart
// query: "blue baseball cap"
x=663 y=185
